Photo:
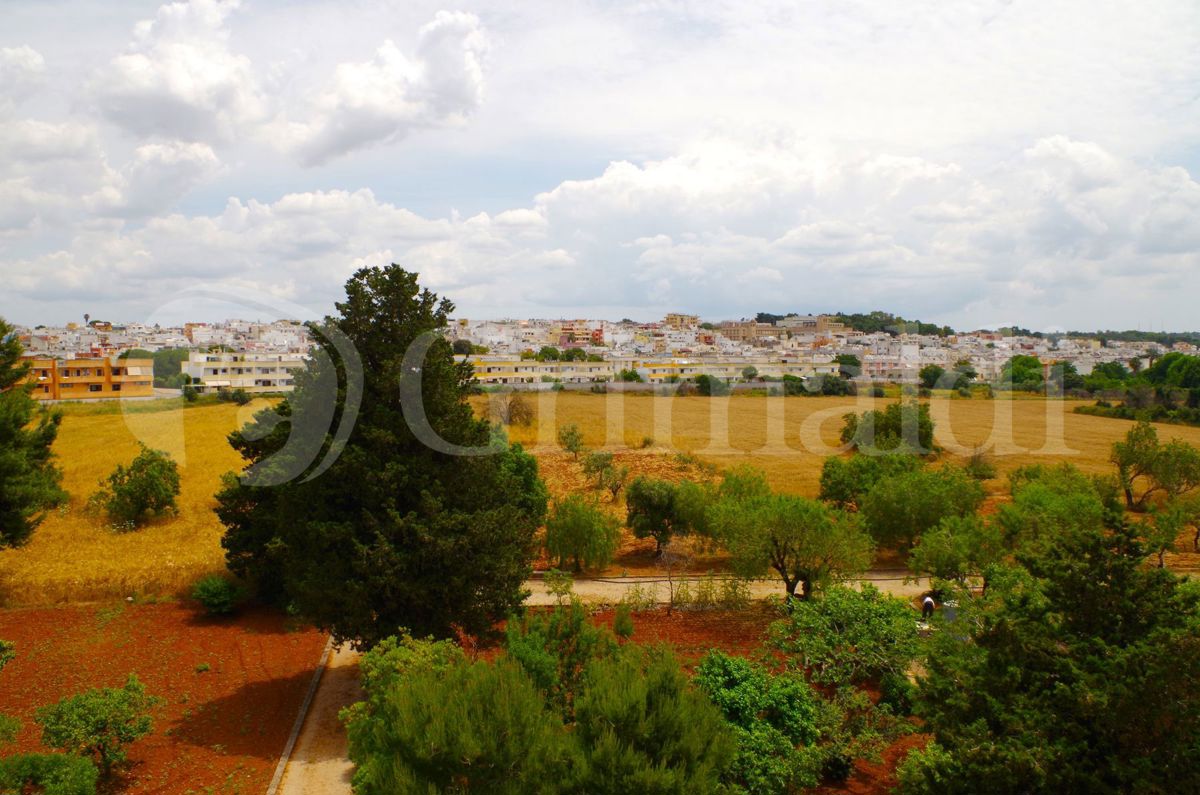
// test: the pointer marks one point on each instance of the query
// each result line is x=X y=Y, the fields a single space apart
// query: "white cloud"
x=383 y=100
x=643 y=237
x=155 y=178
x=21 y=70
x=180 y=79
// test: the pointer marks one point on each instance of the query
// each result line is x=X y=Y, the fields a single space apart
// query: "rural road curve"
x=319 y=763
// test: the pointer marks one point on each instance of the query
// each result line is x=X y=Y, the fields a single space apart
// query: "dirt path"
x=319 y=764
x=609 y=590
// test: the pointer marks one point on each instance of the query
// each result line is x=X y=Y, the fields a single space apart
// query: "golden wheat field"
x=73 y=556
x=789 y=438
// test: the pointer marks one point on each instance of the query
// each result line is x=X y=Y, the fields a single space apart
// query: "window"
x=116 y=387
x=95 y=387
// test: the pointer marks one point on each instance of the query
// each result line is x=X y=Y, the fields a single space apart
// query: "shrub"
x=832 y=634
x=100 y=723
x=623 y=622
x=640 y=598
x=647 y=442
x=897 y=692
x=190 y=394
x=145 y=489
x=571 y=439
x=774 y=717
x=219 y=595
x=49 y=774
x=642 y=728
x=980 y=465
x=735 y=594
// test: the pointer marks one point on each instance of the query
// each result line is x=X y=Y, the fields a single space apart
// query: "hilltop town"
x=80 y=361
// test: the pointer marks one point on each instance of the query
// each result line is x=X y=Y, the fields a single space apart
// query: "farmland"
x=73 y=556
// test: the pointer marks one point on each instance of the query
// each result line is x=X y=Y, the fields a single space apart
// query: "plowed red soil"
x=217 y=730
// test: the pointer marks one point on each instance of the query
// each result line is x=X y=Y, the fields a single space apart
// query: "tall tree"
x=1076 y=673
x=29 y=480
x=393 y=533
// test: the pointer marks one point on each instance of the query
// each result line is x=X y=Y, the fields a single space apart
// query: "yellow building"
x=91 y=378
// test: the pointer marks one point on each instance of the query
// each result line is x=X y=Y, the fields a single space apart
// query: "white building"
x=251 y=371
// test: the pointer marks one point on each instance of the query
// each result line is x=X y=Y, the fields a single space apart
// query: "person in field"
x=927 y=606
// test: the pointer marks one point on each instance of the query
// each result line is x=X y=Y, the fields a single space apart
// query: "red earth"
x=230 y=688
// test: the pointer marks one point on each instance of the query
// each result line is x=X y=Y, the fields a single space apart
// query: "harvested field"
x=218 y=730
x=75 y=556
x=789 y=438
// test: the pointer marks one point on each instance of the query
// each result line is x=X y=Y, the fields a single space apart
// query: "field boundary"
x=290 y=746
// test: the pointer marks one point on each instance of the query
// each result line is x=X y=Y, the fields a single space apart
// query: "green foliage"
x=578 y=530
x=571 y=439
x=898 y=509
x=559 y=584
x=1048 y=502
x=1022 y=373
x=653 y=510
x=466 y=727
x=774 y=719
x=29 y=480
x=980 y=465
x=48 y=774
x=190 y=394
x=805 y=542
x=555 y=648
x=931 y=376
x=147 y=488
x=750 y=373
x=608 y=476
x=434 y=722
x=643 y=729
x=623 y=622
x=548 y=353
x=904 y=426
x=630 y=376
x=1076 y=673
x=849 y=636
x=98 y=724
x=845 y=481
x=1143 y=463
x=220 y=596
x=958 y=547
x=710 y=386
x=392 y=533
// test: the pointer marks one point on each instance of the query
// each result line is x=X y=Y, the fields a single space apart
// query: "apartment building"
x=93 y=378
x=251 y=371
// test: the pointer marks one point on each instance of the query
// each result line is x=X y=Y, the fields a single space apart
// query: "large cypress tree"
x=29 y=480
x=392 y=533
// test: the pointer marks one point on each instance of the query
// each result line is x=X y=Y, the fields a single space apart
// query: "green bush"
x=190 y=394
x=623 y=622
x=98 y=724
x=48 y=774
x=897 y=692
x=145 y=489
x=433 y=721
x=774 y=718
x=832 y=634
x=219 y=595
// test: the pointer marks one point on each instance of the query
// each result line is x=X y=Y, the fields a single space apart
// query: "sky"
x=978 y=163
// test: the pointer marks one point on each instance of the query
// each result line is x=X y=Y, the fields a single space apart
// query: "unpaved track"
x=319 y=763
